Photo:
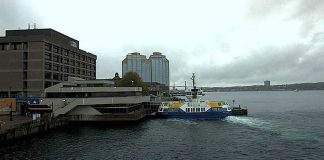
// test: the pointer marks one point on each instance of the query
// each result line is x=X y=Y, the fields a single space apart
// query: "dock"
x=22 y=126
x=238 y=111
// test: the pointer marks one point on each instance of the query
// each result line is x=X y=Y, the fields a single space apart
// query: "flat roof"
x=44 y=31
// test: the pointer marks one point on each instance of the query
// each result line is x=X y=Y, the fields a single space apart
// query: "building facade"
x=159 y=68
x=152 y=70
x=135 y=62
x=34 y=59
x=267 y=83
x=95 y=99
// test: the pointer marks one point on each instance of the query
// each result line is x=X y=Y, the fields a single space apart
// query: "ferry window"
x=165 y=110
x=198 y=109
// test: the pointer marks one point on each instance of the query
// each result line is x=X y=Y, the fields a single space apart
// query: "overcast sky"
x=225 y=42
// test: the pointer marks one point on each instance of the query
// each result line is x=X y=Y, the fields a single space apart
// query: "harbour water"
x=280 y=125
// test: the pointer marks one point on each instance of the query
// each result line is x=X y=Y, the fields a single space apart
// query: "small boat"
x=193 y=107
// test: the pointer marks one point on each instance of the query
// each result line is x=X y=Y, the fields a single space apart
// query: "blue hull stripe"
x=194 y=115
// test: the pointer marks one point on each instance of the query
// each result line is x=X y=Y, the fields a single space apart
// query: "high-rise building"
x=160 y=68
x=34 y=59
x=135 y=62
x=267 y=83
x=154 y=69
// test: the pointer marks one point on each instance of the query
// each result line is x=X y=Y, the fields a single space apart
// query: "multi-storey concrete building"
x=152 y=70
x=34 y=59
x=96 y=100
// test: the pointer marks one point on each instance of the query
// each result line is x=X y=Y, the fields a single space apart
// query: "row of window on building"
x=13 y=46
x=68 y=61
x=68 y=53
x=69 y=69
x=64 y=77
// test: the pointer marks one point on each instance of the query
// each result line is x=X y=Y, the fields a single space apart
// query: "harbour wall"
x=22 y=130
x=46 y=123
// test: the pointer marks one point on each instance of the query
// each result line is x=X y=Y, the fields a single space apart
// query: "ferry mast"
x=194 y=90
x=193 y=80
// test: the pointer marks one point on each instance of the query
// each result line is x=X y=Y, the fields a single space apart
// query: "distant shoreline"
x=283 y=87
x=265 y=90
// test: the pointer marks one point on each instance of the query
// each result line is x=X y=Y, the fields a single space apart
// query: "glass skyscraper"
x=154 y=69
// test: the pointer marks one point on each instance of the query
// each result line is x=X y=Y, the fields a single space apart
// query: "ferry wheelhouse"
x=193 y=107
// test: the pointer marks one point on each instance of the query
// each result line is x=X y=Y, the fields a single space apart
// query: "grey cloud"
x=308 y=12
x=279 y=64
x=16 y=14
x=297 y=62
x=261 y=10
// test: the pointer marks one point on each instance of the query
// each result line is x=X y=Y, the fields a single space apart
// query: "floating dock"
x=238 y=111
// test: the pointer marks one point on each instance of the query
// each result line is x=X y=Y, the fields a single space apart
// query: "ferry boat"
x=193 y=107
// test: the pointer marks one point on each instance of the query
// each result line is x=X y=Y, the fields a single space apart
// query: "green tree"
x=132 y=79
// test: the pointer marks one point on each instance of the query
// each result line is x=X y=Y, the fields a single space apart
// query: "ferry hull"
x=194 y=115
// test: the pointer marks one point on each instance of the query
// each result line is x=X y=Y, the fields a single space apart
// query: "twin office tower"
x=154 y=69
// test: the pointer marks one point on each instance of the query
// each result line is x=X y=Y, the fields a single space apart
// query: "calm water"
x=280 y=125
